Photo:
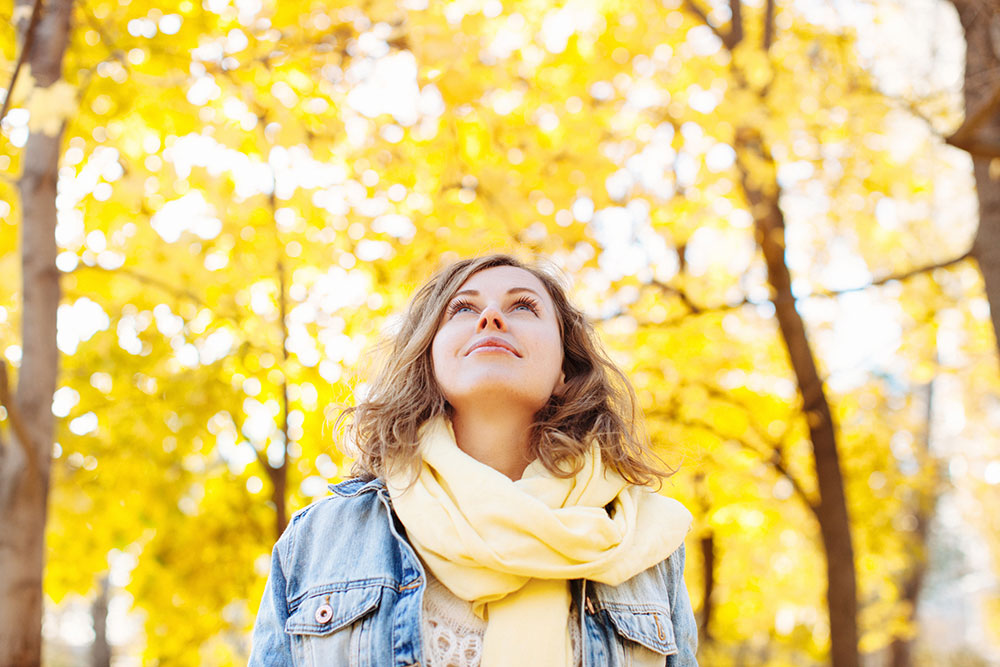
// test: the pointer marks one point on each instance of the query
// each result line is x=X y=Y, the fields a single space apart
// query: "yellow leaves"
x=473 y=140
x=991 y=613
x=754 y=64
x=924 y=371
x=22 y=12
x=23 y=86
x=455 y=87
x=50 y=106
x=501 y=161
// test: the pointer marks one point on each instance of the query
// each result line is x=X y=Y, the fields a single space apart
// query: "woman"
x=502 y=515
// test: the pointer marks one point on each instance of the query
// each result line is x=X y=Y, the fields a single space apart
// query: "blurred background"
x=769 y=208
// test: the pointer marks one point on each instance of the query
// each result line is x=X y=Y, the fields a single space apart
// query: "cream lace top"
x=453 y=634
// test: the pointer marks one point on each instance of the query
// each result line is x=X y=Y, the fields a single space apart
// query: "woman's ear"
x=560 y=384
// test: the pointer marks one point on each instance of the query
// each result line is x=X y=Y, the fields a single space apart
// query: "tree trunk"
x=762 y=193
x=25 y=461
x=980 y=135
x=708 y=562
x=100 y=650
x=760 y=188
x=708 y=558
x=923 y=510
x=279 y=475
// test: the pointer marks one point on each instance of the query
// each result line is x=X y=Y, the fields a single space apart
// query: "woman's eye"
x=527 y=304
x=458 y=307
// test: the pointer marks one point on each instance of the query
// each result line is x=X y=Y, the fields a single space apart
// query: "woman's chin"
x=507 y=397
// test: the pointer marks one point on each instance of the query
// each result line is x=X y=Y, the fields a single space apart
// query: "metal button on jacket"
x=324 y=613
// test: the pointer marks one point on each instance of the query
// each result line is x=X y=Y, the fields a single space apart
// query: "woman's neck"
x=498 y=439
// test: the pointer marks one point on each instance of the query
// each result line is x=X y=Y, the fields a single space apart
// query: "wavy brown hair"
x=596 y=401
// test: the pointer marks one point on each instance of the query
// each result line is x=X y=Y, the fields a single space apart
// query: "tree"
x=243 y=212
x=25 y=454
x=979 y=134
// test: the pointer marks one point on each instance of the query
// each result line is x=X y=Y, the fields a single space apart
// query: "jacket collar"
x=356 y=486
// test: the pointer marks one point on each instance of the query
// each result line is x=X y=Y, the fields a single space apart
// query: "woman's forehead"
x=503 y=278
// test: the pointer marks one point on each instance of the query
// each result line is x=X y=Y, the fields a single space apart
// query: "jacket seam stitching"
x=344 y=587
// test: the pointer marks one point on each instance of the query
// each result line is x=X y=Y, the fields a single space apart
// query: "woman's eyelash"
x=457 y=306
x=521 y=301
x=527 y=301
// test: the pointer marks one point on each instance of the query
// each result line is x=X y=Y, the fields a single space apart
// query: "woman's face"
x=499 y=340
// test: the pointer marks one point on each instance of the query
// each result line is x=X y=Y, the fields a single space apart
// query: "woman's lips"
x=495 y=345
x=490 y=348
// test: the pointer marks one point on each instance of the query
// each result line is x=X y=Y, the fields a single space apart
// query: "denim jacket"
x=346 y=588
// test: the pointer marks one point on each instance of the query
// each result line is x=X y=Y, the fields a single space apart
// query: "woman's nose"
x=491 y=317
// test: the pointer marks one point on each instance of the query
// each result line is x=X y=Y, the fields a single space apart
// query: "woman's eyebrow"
x=512 y=290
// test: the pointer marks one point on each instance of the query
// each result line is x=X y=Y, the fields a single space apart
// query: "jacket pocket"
x=646 y=629
x=329 y=624
x=325 y=609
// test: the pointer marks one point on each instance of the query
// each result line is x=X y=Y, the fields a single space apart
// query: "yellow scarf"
x=511 y=547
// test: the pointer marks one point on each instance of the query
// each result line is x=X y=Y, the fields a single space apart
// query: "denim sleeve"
x=685 y=626
x=270 y=644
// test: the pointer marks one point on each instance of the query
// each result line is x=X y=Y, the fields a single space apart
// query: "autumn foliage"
x=773 y=241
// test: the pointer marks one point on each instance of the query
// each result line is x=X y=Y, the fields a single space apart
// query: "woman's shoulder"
x=340 y=547
x=352 y=499
x=351 y=522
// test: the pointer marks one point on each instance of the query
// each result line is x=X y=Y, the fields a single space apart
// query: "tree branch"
x=964 y=136
x=98 y=27
x=20 y=430
x=148 y=280
x=725 y=397
x=906 y=275
x=697 y=309
x=768 y=25
x=976 y=148
x=904 y=103
x=36 y=12
x=694 y=308
x=176 y=292
x=736 y=27
x=775 y=460
x=262 y=459
x=697 y=11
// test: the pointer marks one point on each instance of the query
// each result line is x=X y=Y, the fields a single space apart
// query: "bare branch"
x=976 y=148
x=20 y=430
x=723 y=396
x=964 y=137
x=775 y=460
x=29 y=35
x=965 y=134
x=176 y=292
x=98 y=27
x=910 y=105
x=768 y=25
x=680 y=294
x=697 y=11
x=697 y=309
x=148 y=280
x=262 y=459
x=736 y=29
x=906 y=275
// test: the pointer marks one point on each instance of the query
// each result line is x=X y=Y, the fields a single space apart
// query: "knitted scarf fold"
x=511 y=547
